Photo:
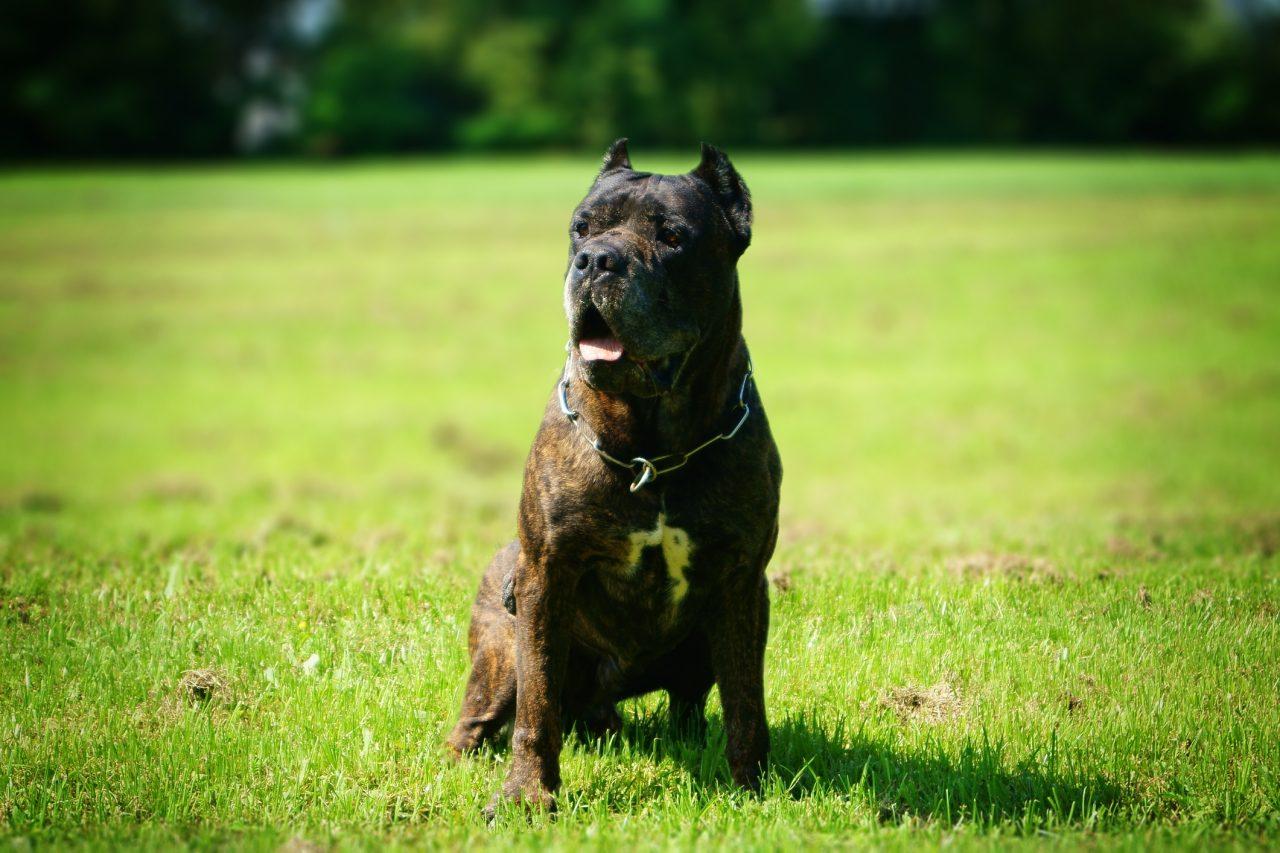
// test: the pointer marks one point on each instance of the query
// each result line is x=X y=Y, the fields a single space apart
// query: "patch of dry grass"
x=935 y=704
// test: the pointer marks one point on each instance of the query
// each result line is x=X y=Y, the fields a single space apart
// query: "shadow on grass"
x=974 y=782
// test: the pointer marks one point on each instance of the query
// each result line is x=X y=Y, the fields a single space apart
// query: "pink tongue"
x=600 y=349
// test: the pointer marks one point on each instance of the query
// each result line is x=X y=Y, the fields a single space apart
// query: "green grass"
x=1029 y=410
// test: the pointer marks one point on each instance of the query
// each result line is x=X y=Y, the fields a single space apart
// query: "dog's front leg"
x=542 y=649
x=737 y=657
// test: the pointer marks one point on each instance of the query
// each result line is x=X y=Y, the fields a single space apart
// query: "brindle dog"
x=634 y=573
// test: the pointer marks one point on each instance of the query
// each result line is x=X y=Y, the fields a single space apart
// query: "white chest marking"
x=676 y=549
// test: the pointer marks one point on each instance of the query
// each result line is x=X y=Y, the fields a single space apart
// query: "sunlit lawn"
x=269 y=422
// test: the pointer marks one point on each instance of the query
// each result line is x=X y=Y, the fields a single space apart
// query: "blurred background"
x=202 y=78
x=1015 y=260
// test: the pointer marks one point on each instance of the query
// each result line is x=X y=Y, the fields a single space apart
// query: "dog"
x=649 y=508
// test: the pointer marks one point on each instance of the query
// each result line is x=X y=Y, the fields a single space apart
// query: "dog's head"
x=652 y=269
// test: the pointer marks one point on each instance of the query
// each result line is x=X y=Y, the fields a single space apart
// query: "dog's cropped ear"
x=616 y=157
x=730 y=191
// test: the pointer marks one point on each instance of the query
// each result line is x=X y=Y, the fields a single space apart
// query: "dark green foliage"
x=177 y=77
x=1095 y=71
x=379 y=95
x=112 y=77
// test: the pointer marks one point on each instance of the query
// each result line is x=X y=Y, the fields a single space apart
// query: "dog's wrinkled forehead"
x=634 y=198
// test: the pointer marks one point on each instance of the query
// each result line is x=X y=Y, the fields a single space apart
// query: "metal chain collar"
x=647 y=470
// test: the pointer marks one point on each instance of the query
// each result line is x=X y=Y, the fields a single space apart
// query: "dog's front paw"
x=531 y=796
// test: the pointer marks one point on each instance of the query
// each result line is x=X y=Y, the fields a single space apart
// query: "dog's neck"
x=695 y=409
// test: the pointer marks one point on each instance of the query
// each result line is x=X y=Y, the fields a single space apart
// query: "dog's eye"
x=671 y=238
x=580 y=228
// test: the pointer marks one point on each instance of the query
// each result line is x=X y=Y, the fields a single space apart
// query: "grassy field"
x=262 y=427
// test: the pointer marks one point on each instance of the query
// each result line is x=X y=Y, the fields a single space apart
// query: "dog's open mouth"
x=596 y=341
x=597 y=344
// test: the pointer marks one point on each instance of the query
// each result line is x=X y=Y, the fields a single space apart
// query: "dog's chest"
x=654 y=565
x=676 y=549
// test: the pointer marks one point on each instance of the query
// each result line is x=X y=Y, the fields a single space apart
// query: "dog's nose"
x=600 y=259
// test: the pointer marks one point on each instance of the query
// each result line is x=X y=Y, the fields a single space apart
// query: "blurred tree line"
x=193 y=78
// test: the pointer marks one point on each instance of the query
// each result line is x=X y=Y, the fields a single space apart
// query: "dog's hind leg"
x=490 y=698
x=589 y=695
